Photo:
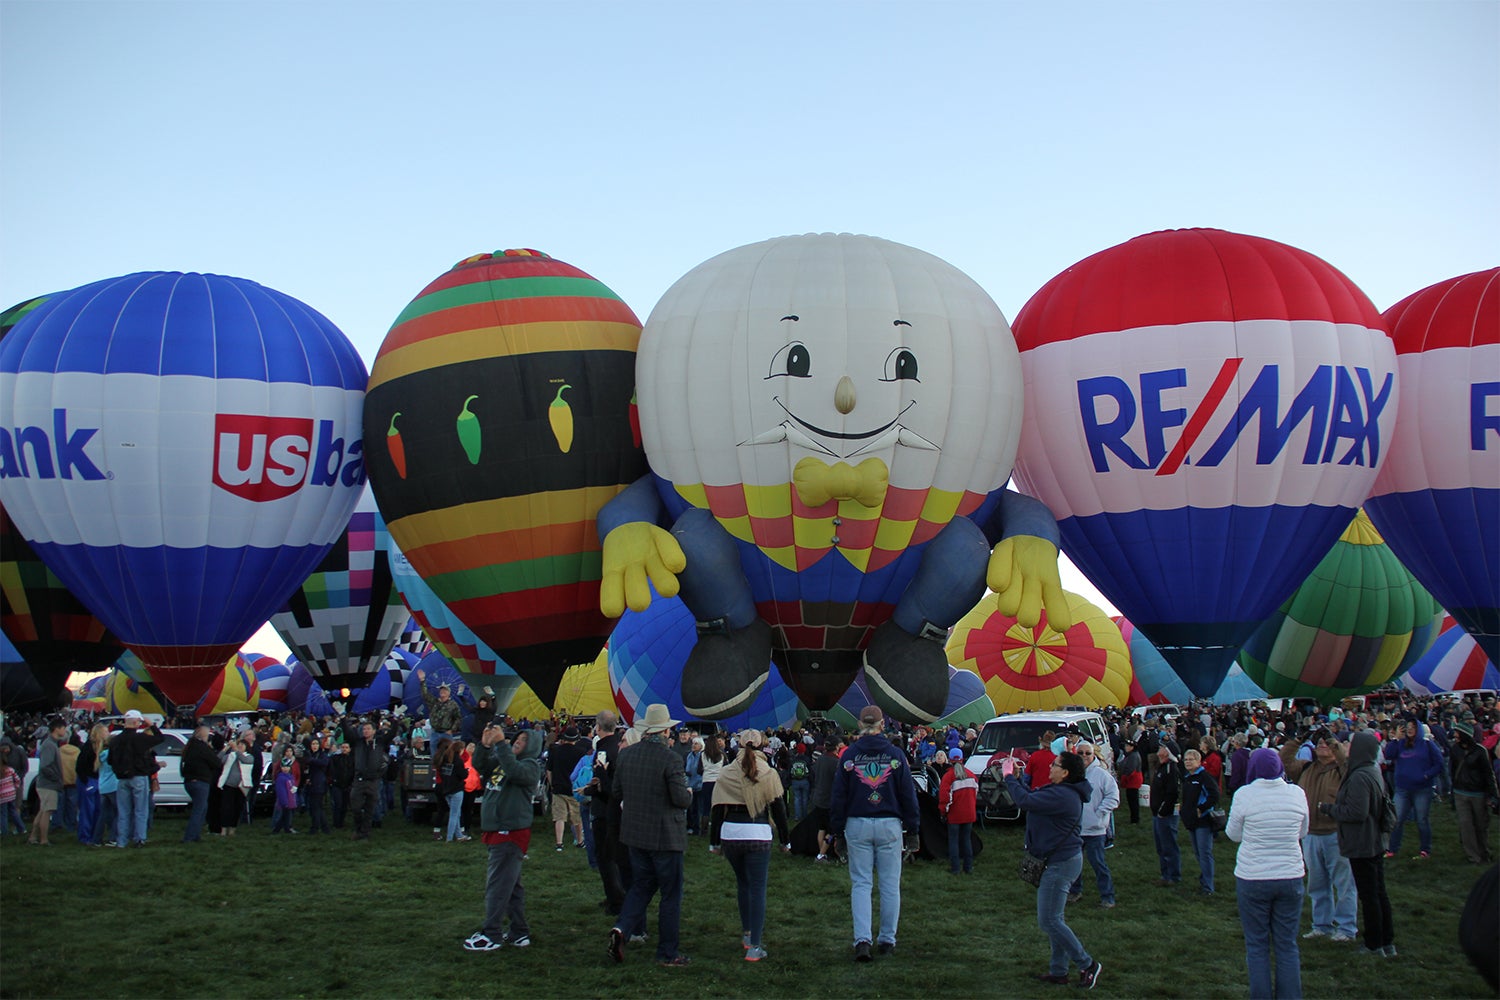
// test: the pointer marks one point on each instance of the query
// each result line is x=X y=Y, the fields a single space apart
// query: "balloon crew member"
x=510 y=773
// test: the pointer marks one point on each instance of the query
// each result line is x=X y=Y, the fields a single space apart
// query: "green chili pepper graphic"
x=468 y=432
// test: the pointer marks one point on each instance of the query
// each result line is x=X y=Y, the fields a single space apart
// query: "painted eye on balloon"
x=900 y=364
x=793 y=359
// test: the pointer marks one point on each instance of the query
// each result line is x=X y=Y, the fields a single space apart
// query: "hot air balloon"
x=437 y=671
x=1357 y=622
x=1437 y=500
x=412 y=638
x=234 y=690
x=123 y=694
x=646 y=654
x=501 y=396
x=1153 y=682
x=1456 y=662
x=271 y=679
x=584 y=690
x=968 y=702
x=347 y=615
x=452 y=638
x=1030 y=668
x=1205 y=411
x=181 y=450
x=832 y=420
x=1237 y=686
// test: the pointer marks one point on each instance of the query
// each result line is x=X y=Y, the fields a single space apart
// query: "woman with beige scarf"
x=748 y=798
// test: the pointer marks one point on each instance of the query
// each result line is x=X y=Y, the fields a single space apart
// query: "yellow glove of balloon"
x=636 y=557
x=1023 y=575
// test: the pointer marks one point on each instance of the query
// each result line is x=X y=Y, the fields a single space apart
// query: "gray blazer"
x=653 y=791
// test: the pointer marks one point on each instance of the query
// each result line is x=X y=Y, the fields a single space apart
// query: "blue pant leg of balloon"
x=731 y=660
x=905 y=665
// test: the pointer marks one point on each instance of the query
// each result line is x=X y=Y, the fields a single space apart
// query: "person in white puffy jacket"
x=1094 y=825
x=1269 y=819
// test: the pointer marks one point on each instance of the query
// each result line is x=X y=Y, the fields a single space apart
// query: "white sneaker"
x=1314 y=933
x=1340 y=936
x=480 y=941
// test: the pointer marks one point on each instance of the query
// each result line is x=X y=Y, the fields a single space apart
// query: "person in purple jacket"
x=1416 y=762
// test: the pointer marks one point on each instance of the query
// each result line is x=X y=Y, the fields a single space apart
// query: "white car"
x=168 y=754
x=1023 y=731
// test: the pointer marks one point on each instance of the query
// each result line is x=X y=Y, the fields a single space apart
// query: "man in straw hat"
x=649 y=780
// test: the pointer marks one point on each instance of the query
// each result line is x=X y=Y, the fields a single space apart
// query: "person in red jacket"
x=958 y=796
x=1039 y=764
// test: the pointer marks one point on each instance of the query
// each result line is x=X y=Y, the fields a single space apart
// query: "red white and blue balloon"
x=1205 y=411
x=181 y=450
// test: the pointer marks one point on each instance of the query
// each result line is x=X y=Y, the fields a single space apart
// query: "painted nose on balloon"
x=843 y=396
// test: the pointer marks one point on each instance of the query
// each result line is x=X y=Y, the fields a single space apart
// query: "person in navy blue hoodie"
x=1054 y=817
x=1417 y=763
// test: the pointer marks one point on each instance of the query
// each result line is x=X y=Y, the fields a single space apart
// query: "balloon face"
x=347 y=615
x=1204 y=413
x=501 y=399
x=1026 y=669
x=1437 y=499
x=1359 y=621
x=834 y=401
x=647 y=653
x=181 y=450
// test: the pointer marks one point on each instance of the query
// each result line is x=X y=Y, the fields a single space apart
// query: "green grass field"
x=304 y=916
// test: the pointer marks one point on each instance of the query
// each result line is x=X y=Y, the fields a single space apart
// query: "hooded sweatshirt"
x=1054 y=816
x=1319 y=782
x=1361 y=801
x=510 y=780
x=874 y=780
x=1417 y=765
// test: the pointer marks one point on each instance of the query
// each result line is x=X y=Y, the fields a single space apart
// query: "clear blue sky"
x=349 y=153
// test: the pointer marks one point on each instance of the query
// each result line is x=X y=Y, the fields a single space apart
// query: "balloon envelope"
x=1204 y=413
x=1437 y=500
x=646 y=655
x=1238 y=686
x=123 y=694
x=1356 y=623
x=347 y=614
x=271 y=679
x=236 y=689
x=1038 y=668
x=1153 y=681
x=451 y=637
x=499 y=414
x=1456 y=662
x=584 y=690
x=181 y=450
x=968 y=701
x=438 y=671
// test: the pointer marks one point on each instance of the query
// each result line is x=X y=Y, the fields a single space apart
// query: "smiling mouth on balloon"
x=844 y=435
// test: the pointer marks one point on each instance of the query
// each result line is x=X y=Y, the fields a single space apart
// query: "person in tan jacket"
x=1330 y=880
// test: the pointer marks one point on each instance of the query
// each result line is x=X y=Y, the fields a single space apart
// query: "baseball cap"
x=870 y=715
x=955 y=754
x=134 y=714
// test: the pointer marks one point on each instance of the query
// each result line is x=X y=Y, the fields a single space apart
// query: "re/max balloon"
x=181 y=450
x=1205 y=411
x=1437 y=500
x=498 y=420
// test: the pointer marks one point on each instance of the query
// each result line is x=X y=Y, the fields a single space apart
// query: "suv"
x=1006 y=733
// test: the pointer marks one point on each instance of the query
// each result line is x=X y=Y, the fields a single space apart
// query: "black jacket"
x=199 y=762
x=341 y=770
x=132 y=753
x=1166 y=786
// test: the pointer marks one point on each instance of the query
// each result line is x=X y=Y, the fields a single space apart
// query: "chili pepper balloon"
x=396 y=446
x=509 y=544
x=469 y=432
x=635 y=420
x=560 y=415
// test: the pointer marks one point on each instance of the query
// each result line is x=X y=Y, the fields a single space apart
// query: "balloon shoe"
x=907 y=674
x=726 y=669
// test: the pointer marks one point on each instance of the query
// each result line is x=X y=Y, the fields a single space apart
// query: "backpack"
x=583 y=773
x=799 y=769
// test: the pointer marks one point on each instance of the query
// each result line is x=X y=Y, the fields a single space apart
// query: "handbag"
x=1032 y=866
x=1217 y=819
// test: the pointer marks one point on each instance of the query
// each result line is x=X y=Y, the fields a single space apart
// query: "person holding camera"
x=510 y=772
x=874 y=800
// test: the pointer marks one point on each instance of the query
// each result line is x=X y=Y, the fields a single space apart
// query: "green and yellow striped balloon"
x=1358 y=621
x=498 y=421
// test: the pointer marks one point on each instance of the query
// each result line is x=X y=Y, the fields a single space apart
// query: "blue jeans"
x=455 y=814
x=198 y=792
x=800 y=789
x=12 y=818
x=874 y=845
x=751 y=861
x=66 y=814
x=654 y=871
x=588 y=833
x=1093 y=850
x=1051 y=899
x=1413 y=803
x=1270 y=912
x=1330 y=884
x=960 y=847
x=1203 y=847
x=1167 y=851
x=133 y=800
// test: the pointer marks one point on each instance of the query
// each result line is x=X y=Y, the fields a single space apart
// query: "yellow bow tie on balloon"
x=817 y=483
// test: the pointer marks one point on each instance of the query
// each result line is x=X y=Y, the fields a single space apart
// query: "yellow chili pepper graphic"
x=560 y=414
x=468 y=432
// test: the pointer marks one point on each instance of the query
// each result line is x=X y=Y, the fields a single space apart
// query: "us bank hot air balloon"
x=1356 y=623
x=1437 y=500
x=831 y=420
x=647 y=651
x=499 y=424
x=1026 y=668
x=181 y=450
x=348 y=614
x=1205 y=411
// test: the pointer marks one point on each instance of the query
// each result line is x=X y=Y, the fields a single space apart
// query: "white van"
x=1022 y=731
